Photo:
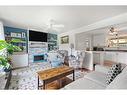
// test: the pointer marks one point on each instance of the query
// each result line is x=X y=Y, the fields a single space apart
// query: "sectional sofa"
x=97 y=80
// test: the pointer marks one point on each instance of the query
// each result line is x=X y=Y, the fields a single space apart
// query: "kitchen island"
x=110 y=57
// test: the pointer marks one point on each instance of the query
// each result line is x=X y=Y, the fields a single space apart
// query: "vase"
x=7 y=69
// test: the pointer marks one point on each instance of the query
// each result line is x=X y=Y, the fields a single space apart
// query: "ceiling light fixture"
x=52 y=25
x=113 y=31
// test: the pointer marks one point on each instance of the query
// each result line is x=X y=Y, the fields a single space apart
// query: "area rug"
x=26 y=78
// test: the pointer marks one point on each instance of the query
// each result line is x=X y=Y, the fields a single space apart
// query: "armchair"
x=88 y=60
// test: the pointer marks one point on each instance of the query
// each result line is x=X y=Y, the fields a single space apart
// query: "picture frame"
x=65 y=40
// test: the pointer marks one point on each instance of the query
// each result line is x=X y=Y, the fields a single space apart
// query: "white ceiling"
x=73 y=17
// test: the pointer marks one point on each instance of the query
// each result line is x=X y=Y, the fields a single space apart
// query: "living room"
x=63 y=47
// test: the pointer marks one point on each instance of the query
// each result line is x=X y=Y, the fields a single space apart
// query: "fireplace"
x=39 y=58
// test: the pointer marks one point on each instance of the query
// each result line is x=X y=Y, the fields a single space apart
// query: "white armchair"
x=88 y=60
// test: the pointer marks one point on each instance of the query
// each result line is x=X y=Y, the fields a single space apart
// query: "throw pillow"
x=113 y=72
x=120 y=81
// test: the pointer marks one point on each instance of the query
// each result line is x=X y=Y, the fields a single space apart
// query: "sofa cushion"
x=113 y=72
x=102 y=68
x=120 y=81
x=56 y=63
x=97 y=77
x=54 y=59
x=84 y=83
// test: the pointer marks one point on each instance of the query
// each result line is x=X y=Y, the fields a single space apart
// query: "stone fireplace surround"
x=37 y=52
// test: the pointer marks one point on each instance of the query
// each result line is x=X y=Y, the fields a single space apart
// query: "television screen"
x=37 y=36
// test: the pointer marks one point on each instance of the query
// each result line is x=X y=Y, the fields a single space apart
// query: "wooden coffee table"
x=53 y=74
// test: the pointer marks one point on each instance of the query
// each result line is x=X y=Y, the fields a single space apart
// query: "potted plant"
x=4 y=64
x=5 y=61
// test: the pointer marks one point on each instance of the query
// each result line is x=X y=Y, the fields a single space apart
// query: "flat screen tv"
x=37 y=36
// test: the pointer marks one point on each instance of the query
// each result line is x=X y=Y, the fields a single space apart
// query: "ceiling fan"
x=53 y=26
x=113 y=31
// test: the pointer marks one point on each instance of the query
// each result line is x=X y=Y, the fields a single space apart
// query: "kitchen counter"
x=110 y=56
x=112 y=51
x=117 y=50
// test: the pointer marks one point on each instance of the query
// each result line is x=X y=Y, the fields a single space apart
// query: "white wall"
x=1 y=31
x=99 y=39
x=95 y=38
x=81 y=41
x=98 y=25
x=71 y=40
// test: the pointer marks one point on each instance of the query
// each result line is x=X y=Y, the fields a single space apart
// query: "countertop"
x=112 y=51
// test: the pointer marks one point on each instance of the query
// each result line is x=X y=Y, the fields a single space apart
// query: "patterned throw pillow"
x=113 y=72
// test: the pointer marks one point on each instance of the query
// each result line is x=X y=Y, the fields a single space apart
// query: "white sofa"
x=97 y=80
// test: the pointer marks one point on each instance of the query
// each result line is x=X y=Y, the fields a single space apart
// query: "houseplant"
x=10 y=48
x=5 y=61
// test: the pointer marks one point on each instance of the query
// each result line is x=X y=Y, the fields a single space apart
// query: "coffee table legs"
x=44 y=85
x=73 y=75
x=38 y=82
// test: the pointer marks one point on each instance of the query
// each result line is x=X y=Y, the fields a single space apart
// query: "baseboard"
x=19 y=67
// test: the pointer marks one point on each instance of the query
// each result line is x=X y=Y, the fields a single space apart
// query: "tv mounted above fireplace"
x=37 y=36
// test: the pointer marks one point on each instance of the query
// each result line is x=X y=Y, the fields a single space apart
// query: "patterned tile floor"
x=26 y=78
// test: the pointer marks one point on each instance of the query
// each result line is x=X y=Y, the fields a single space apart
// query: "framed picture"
x=65 y=40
